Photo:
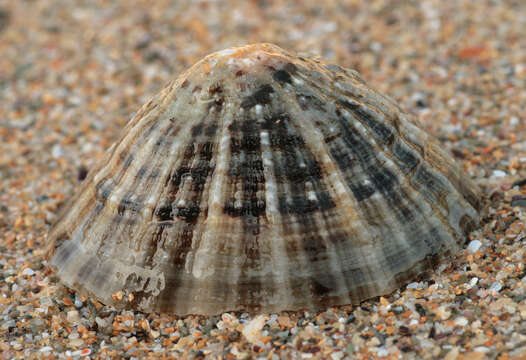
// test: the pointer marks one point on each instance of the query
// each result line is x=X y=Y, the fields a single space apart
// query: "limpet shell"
x=262 y=181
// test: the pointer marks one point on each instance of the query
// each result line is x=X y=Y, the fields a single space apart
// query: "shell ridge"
x=380 y=181
x=405 y=189
x=256 y=252
x=183 y=198
x=451 y=191
x=389 y=144
x=405 y=185
x=362 y=276
x=336 y=185
x=135 y=175
x=98 y=224
x=172 y=238
x=136 y=141
x=201 y=258
x=276 y=126
x=156 y=202
x=279 y=264
x=311 y=221
x=225 y=267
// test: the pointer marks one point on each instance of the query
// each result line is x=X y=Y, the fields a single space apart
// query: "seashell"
x=262 y=181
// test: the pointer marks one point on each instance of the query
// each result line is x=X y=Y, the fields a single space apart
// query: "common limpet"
x=262 y=181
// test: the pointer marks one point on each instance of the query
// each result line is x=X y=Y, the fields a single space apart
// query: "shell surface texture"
x=262 y=181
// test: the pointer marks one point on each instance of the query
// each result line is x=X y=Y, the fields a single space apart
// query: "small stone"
x=461 y=321
x=117 y=296
x=185 y=342
x=252 y=330
x=382 y=352
x=73 y=316
x=85 y=352
x=452 y=354
x=519 y=183
x=28 y=272
x=82 y=173
x=283 y=334
x=76 y=343
x=284 y=321
x=8 y=324
x=503 y=305
x=474 y=246
x=420 y=309
x=482 y=349
x=102 y=323
x=337 y=355
x=478 y=354
x=414 y=285
x=519 y=201
x=57 y=151
x=498 y=174
x=374 y=341
x=143 y=324
x=495 y=287
x=443 y=313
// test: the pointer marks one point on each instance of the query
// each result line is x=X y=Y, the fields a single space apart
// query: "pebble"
x=443 y=313
x=519 y=202
x=28 y=272
x=284 y=321
x=461 y=321
x=73 y=316
x=382 y=352
x=499 y=174
x=101 y=322
x=76 y=343
x=474 y=246
x=78 y=303
x=482 y=349
x=252 y=330
x=496 y=286
x=57 y=151
x=414 y=285
x=452 y=354
x=337 y=355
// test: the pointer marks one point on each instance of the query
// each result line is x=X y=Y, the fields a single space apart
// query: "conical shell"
x=262 y=181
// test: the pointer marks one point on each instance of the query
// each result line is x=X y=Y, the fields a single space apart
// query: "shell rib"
x=263 y=181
